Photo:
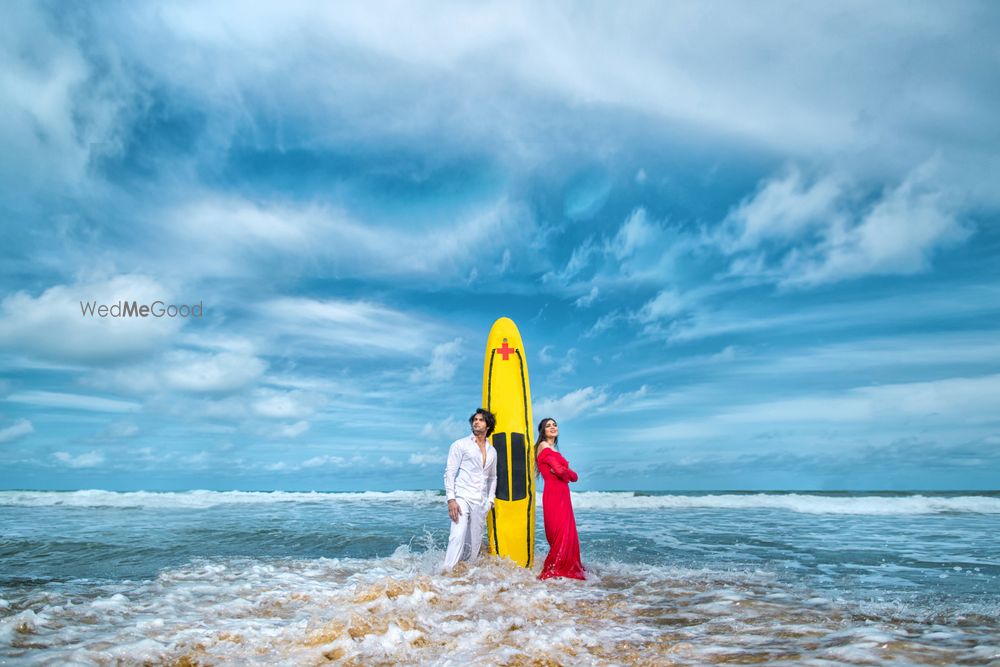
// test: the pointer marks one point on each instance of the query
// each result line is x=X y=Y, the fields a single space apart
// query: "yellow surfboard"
x=510 y=525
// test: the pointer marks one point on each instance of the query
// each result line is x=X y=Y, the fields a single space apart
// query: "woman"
x=560 y=525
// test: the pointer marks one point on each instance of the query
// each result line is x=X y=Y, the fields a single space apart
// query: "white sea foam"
x=402 y=610
x=804 y=503
x=794 y=502
x=201 y=499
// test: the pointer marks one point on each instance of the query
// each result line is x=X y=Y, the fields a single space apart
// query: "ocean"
x=245 y=578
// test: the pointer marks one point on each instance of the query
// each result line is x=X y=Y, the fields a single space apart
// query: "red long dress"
x=560 y=525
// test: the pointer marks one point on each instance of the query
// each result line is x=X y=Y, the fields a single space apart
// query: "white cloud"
x=690 y=66
x=220 y=373
x=641 y=251
x=239 y=224
x=217 y=342
x=322 y=385
x=58 y=112
x=970 y=398
x=89 y=460
x=292 y=430
x=236 y=407
x=630 y=401
x=587 y=300
x=227 y=236
x=898 y=235
x=294 y=404
x=185 y=371
x=151 y=457
x=387 y=462
x=504 y=262
x=570 y=405
x=52 y=399
x=566 y=364
x=893 y=410
x=684 y=68
x=136 y=380
x=578 y=261
x=917 y=307
x=634 y=234
x=801 y=234
x=198 y=460
x=448 y=429
x=347 y=326
x=52 y=326
x=916 y=352
x=666 y=304
x=949 y=406
x=317 y=463
x=604 y=323
x=18 y=429
x=708 y=324
x=783 y=209
x=121 y=430
x=444 y=360
x=433 y=457
x=324 y=461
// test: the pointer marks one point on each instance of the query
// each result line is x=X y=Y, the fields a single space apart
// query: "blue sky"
x=746 y=247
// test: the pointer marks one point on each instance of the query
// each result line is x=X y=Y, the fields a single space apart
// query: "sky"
x=747 y=246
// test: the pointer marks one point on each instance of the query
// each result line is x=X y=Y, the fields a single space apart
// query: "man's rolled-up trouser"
x=466 y=536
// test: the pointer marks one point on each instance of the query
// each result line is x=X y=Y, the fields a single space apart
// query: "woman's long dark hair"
x=541 y=436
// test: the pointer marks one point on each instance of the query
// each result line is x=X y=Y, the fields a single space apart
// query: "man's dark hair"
x=491 y=421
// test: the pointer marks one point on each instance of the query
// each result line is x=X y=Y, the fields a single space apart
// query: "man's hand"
x=454 y=511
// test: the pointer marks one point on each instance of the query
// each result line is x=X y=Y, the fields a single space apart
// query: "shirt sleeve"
x=545 y=459
x=561 y=471
x=451 y=470
x=491 y=494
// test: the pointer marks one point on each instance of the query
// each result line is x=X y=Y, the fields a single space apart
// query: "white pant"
x=466 y=536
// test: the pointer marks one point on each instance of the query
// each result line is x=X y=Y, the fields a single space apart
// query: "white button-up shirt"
x=466 y=476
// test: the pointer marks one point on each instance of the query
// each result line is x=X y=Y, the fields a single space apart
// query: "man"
x=470 y=482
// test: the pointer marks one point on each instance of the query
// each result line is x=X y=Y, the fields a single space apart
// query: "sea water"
x=236 y=578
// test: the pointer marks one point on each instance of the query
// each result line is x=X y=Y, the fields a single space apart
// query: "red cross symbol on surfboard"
x=506 y=351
